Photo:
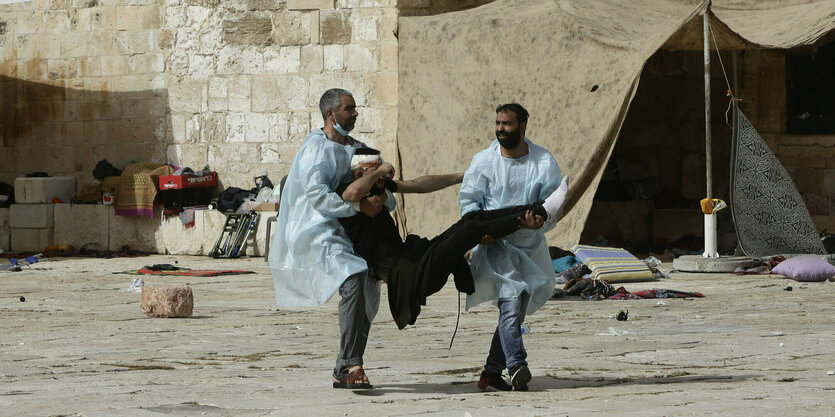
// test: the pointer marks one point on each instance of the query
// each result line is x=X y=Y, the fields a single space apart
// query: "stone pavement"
x=79 y=346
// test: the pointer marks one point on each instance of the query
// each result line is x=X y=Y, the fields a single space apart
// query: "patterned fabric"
x=769 y=214
x=612 y=264
x=138 y=188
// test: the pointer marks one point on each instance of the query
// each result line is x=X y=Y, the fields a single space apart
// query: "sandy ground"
x=80 y=346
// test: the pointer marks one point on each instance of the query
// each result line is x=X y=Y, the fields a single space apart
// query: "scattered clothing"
x=587 y=288
x=655 y=293
x=564 y=263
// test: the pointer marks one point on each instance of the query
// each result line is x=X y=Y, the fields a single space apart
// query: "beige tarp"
x=574 y=64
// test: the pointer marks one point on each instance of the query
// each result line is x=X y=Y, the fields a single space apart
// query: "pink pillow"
x=805 y=268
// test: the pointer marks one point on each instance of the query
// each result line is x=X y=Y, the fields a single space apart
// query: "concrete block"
x=4 y=218
x=177 y=239
x=31 y=216
x=167 y=301
x=82 y=225
x=696 y=263
x=213 y=222
x=5 y=241
x=257 y=241
x=137 y=232
x=43 y=189
x=30 y=240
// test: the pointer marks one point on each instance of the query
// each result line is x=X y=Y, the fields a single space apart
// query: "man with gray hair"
x=311 y=257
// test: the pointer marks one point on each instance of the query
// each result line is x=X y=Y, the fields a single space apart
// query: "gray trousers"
x=353 y=326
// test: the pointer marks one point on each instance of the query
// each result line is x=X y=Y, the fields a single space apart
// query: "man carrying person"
x=419 y=267
x=311 y=257
x=515 y=270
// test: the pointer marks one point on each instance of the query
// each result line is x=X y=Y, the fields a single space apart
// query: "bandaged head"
x=365 y=158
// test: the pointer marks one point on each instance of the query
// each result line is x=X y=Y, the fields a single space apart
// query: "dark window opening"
x=810 y=88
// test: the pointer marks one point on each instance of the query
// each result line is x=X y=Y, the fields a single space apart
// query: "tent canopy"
x=574 y=64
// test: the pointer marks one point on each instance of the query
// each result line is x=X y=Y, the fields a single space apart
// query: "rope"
x=725 y=74
x=456 y=322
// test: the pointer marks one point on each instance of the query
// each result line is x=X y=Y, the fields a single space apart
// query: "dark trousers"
x=353 y=325
x=464 y=235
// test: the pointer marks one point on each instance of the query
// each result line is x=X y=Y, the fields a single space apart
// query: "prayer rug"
x=768 y=212
x=186 y=272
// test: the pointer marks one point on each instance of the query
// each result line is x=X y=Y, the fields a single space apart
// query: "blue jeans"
x=507 y=348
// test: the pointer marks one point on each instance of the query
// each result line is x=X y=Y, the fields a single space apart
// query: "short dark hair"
x=517 y=109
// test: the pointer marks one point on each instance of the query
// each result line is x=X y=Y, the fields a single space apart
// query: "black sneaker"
x=489 y=379
x=520 y=375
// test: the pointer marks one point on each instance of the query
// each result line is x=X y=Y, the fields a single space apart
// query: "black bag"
x=6 y=195
x=232 y=198
x=105 y=169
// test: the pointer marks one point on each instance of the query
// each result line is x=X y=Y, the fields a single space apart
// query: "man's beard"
x=511 y=140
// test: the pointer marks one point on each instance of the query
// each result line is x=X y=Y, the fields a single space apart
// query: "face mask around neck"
x=342 y=131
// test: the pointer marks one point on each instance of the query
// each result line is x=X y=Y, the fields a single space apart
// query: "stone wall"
x=80 y=81
x=232 y=84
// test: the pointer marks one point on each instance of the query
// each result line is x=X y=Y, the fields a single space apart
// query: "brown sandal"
x=340 y=383
x=358 y=380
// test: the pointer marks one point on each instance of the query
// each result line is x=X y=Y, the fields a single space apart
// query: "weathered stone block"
x=31 y=216
x=364 y=27
x=82 y=225
x=292 y=28
x=312 y=58
x=180 y=239
x=26 y=240
x=309 y=4
x=285 y=60
x=335 y=27
x=266 y=96
x=43 y=189
x=167 y=301
x=257 y=127
x=136 y=232
x=250 y=29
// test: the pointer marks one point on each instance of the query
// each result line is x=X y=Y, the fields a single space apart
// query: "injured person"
x=419 y=267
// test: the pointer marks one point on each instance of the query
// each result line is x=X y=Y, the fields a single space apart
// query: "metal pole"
x=706 y=27
x=710 y=219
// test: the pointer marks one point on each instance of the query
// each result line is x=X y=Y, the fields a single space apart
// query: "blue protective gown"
x=519 y=261
x=310 y=255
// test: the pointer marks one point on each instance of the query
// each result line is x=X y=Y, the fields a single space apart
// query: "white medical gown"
x=310 y=254
x=519 y=261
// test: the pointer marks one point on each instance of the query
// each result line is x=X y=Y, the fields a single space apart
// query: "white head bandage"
x=364 y=161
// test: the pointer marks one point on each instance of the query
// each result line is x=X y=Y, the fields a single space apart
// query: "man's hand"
x=371 y=206
x=386 y=169
x=531 y=221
